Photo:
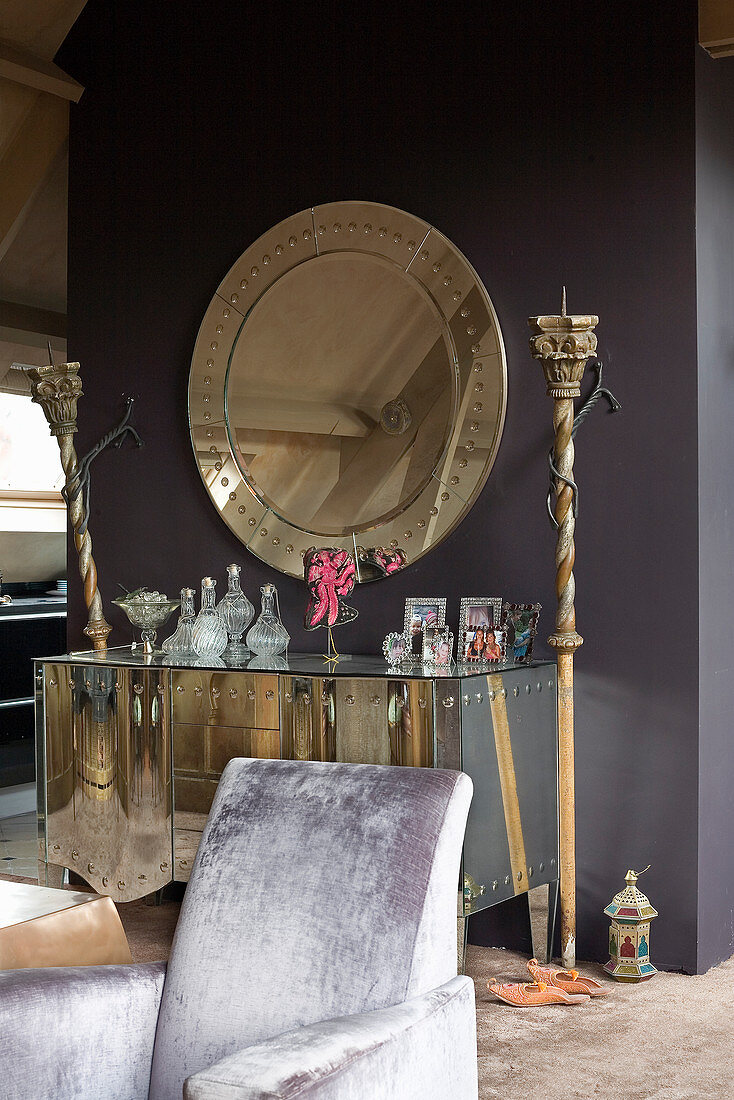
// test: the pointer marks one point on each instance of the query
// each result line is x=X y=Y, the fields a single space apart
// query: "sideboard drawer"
x=225 y=698
x=201 y=753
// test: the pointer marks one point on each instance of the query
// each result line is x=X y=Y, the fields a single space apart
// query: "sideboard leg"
x=538 y=901
x=553 y=895
x=50 y=874
x=462 y=935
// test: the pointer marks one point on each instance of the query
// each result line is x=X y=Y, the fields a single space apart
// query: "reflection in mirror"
x=340 y=393
x=348 y=383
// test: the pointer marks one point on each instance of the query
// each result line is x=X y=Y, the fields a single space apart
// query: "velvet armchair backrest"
x=319 y=890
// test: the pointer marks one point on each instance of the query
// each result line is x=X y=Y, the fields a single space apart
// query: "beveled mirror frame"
x=471 y=331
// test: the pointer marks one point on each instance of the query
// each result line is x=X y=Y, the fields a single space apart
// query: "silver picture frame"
x=422 y=612
x=477 y=613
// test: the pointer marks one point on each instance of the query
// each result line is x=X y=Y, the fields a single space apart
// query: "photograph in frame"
x=395 y=648
x=442 y=645
x=480 y=624
x=422 y=613
x=521 y=623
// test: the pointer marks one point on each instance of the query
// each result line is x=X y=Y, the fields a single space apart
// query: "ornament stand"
x=333 y=655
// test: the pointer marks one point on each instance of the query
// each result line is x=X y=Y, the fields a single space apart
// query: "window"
x=29 y=455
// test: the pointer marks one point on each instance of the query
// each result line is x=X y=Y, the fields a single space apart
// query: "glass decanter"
x=237 y=613
x=267 y=636
x=209 y=636
x=180 y=643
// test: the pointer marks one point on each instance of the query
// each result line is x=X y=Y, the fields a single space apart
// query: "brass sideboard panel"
x=107 y=763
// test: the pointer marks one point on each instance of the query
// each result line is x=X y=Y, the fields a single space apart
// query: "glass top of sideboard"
x=296 y=664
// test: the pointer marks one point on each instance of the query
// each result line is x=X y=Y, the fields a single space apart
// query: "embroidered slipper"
x=568 y=980
x=527 y=994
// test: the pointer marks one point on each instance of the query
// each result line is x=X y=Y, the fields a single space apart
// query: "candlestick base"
x=98 y=630
x=566 y=641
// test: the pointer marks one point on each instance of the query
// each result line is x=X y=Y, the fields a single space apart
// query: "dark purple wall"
x=715 y=261
x=204 y=124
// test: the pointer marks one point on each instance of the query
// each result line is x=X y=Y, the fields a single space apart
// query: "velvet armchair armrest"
x=71 y=1033
x=424 y=1047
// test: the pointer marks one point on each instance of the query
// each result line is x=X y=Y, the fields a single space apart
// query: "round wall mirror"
x=348 y=387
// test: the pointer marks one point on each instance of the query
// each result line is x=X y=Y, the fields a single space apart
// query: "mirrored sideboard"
x=130 y=750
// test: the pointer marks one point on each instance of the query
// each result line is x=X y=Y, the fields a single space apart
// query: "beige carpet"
x=668 y=1039
x=671 y=1038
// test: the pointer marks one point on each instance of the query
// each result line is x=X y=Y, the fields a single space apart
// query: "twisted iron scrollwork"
x=556 y=476
x=80 y=482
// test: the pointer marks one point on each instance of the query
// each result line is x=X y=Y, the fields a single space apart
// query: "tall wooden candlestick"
x=563 y=345
x=57 y=388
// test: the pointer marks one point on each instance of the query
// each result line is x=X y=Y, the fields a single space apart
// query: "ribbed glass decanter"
x=267 y=636
x=237 y=613
x=180 y=643
x=209 y=636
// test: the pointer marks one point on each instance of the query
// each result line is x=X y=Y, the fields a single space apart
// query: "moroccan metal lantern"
x=629 y=933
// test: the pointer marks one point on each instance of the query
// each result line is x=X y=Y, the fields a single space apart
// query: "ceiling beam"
x=36 y=72
x=716 y=27
x=27 y=162
x=29 y=319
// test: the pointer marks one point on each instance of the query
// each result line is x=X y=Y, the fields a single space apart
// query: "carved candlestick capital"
x=57 y=388
x=563 y=344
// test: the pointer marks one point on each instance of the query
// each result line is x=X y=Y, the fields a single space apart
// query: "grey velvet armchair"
x=315 y=957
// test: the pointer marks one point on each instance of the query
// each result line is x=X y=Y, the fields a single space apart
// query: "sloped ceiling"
x=34 y=127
